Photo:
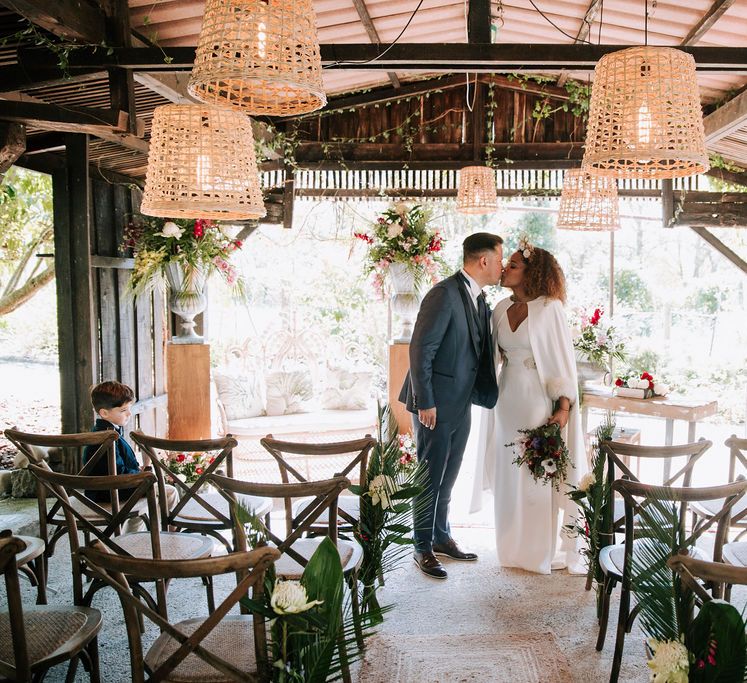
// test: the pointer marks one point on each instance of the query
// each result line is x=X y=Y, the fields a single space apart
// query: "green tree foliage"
x=26 y=229
x=537 y=227
x=631 y=291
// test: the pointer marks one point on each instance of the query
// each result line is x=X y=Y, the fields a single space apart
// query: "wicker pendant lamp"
x=260 y=56
x=202 y=164
x=588 y=202
x=645 y=119
x=477 y=193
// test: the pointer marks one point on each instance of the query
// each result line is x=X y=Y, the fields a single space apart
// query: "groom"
x=451 y=367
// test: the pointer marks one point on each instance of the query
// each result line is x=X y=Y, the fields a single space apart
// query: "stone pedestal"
x=188 y=386
x=399 y=364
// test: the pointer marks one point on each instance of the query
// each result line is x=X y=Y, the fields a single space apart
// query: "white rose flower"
x=289 y=597
x=670 y=663
x=526 y=253
x=661 y=389
x=550 y=466
x=401 y=208
x=587 y=481
x=394 y=230
x=171 y=229
x=380 y=489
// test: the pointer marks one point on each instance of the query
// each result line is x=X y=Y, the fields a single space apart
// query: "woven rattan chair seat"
x=736 y=553
x=350 y=555
x=141 y=507
x=174 y=546
x=350 y=504
x=194 y=512
x=49 y=631
x=232 y=639
x=34 y=548
x=612 y=557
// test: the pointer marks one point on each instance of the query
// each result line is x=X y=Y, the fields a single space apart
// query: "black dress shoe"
x=451 y=549
x=429 y=565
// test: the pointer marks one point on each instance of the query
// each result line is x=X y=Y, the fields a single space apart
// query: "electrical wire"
x=554 y=25
x=391 y=45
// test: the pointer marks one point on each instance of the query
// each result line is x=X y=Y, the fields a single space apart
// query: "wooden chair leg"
x=71 y=669
x=208 y=583
x=622 y=622
x=356 y=608
x=93 y=656
x=41 y=579
x=604 y=616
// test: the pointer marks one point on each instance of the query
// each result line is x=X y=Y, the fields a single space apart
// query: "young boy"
x=113 y=403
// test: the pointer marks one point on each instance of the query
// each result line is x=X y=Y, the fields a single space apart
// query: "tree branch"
x=18 y=297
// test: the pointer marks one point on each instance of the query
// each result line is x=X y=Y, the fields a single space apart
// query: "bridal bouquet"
x=544 y=452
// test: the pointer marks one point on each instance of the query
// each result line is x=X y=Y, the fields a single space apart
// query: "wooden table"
x=671 y=408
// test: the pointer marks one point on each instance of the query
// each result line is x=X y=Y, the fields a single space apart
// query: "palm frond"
x=665 y=606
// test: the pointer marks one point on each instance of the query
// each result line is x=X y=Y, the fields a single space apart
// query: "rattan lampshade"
x=588 y=202
x=477 y=193
x=202 y=164
x=260 y=56
x=645 y=119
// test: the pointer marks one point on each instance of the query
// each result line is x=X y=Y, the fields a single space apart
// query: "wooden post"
x=188 y=378
x=75 y=316
x=399 y=364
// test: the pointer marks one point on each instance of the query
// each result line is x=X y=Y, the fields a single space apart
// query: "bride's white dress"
x=527 y=513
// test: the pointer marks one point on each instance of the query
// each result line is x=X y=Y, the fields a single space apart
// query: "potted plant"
x=183 y=253
x=403 y=252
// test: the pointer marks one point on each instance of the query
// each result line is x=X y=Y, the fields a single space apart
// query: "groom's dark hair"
x=475 y=245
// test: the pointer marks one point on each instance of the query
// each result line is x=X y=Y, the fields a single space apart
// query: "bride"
x=537 y=385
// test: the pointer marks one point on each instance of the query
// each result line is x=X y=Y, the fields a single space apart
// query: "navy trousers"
x=442 y=448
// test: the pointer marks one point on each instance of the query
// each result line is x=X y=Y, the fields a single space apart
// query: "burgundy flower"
x=619 y=382
x=594 y=320
x=199 y=228
x=180 y=457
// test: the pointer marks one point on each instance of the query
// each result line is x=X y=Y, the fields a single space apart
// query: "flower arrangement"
x=596 y=339
x=387 y=502
x=408 y=460
x=197 y=245
x=644 y=386
x=401 y=235
x=188 y=466
x=544 y=452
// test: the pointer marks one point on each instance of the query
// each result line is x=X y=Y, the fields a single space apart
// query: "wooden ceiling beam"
x=23 y=77
x=720 y=247
x=412 y=57
x=715 y=12
x=108 y=124
x=726 y=119
x=70 y=19
x=478 y=22
x=373 y=34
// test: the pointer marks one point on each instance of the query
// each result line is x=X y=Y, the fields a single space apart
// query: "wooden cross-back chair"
x=142 y=544
x=699 y=575
x=52 y=525
x=618 y=458
x=297 y=549
x=38 y=638
x=616 y=560
x=196 y=511
x=220 y=647
x=351 y=455
x=737 y=467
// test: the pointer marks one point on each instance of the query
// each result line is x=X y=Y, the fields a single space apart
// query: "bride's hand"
x=559 y=417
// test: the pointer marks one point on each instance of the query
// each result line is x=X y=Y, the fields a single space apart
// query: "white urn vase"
x=590 y=372
x=405 y=300
x=186 y=299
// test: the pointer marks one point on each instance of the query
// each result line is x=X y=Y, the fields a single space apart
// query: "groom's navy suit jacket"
x=451 y=366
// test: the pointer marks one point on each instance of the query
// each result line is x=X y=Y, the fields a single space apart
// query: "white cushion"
x=288 y=391
x=347 y=389
x=350 y=504
x=286 y=567
x=240 y=393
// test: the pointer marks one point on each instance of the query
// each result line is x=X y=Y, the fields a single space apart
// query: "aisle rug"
x=509 y=657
